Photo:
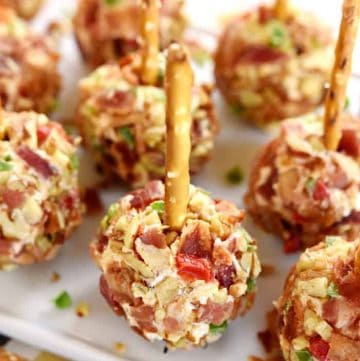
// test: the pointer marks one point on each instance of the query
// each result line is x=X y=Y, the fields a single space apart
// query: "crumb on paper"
x=46 y=356
x=119 y=347
x=92 y=201
x=55 y=277
x=82 y=309
x=267 y=270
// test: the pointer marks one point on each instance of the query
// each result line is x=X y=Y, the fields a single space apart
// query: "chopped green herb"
x=216 y=329
x=63 y=300
x=251 y=284
x=55 y=105
x=287 y=306
x=304 y=355
x=158 y=206
x=277 y=37
x=347 y=103
x=7 y=158
x=74 y=162
x=112 y=2
x=332 y=291
x=234 y=176
x=251 y=248
x=200 y=56
x=112 y=210
x=89 y=110
x=160 y=76
x=5 y=167
x=330 y=240
x=310 y=185
x=128 y=137
x=237 y=108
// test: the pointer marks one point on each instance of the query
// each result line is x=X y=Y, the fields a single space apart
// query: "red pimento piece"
x=292 y=244
x=193 y=268
x=319 y=348
x=35 y=161
x=320 y=191
x=43 y=132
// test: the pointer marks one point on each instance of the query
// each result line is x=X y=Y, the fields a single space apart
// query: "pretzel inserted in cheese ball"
x=175 y=262
x=301 y=190
x=121 y=114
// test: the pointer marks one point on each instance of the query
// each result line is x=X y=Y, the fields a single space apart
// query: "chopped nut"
x=120 y=347
x=55 y=277
x=82 y=309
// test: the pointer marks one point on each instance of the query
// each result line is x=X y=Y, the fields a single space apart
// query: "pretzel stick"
x=281 y=9
x=357 y=260
x=150 y=38
x=336 y=95
x=179 y=80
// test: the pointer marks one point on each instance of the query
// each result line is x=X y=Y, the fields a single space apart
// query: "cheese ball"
x=24 y=8
x=123 y=122
x=319 y=310
x=39 y=194
x=302 y=192
x=29 y=79
x=268 y=69
x=180 y=287
x=106 y=30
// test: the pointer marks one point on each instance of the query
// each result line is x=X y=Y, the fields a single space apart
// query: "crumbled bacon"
x=109 y=297
x=196 y=240
x=12 y=198
x=215 y=313
x=257 y=54
x=121 y=101
x=320 y=191
x=92 y=201
x=349 y=143
x=143 y=197
x=154 y=237
x=224 y=274
x=35 y=161
x=192 y=268
x=144 y=316
x=265 y=14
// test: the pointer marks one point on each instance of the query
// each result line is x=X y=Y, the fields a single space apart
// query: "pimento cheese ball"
x=269 y=69
x=29 y=79
x=39 y=193
x=123 y=122
x=24 y=8
x=106 y=30
x=319 y=310
x=303 y=192
x=180 y=287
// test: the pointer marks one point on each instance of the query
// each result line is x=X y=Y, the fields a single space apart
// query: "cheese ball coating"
x=24 y=8
x=183 y=287
x=123 y=122
x=39 y=195
x=268 y=69
x=302 y=192
x=319 y=310
x=106 y=30
x=28 y=67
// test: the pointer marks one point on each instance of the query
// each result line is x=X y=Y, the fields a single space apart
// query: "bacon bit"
x=154 y=237
x=292 y=244
x=215 y=313
x=172 y=325
x=258 y=54
x=12 y=198
x=35 y=161
x=224 y=274
x=92 y=200
x=265 y=14
x=230 y=210
x=43 y=132
x=144 y=316
x=119 y=100
x=120 y=347
x=197 y=241
x=267 y=270
x=320 y=191
x=55 y=277
x=109 y=297
x=349 y=143
x=82 y=309
x=298 y=218
x=154 y=191
x=319 y=348
x=192 y=268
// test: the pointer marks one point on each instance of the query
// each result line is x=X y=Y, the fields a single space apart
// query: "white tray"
x=26 y=310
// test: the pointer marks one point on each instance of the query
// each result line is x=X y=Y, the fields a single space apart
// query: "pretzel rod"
x=357 y=261
x=179 y=80
x=281 y=9
x=150 y=38
x=336 y=95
